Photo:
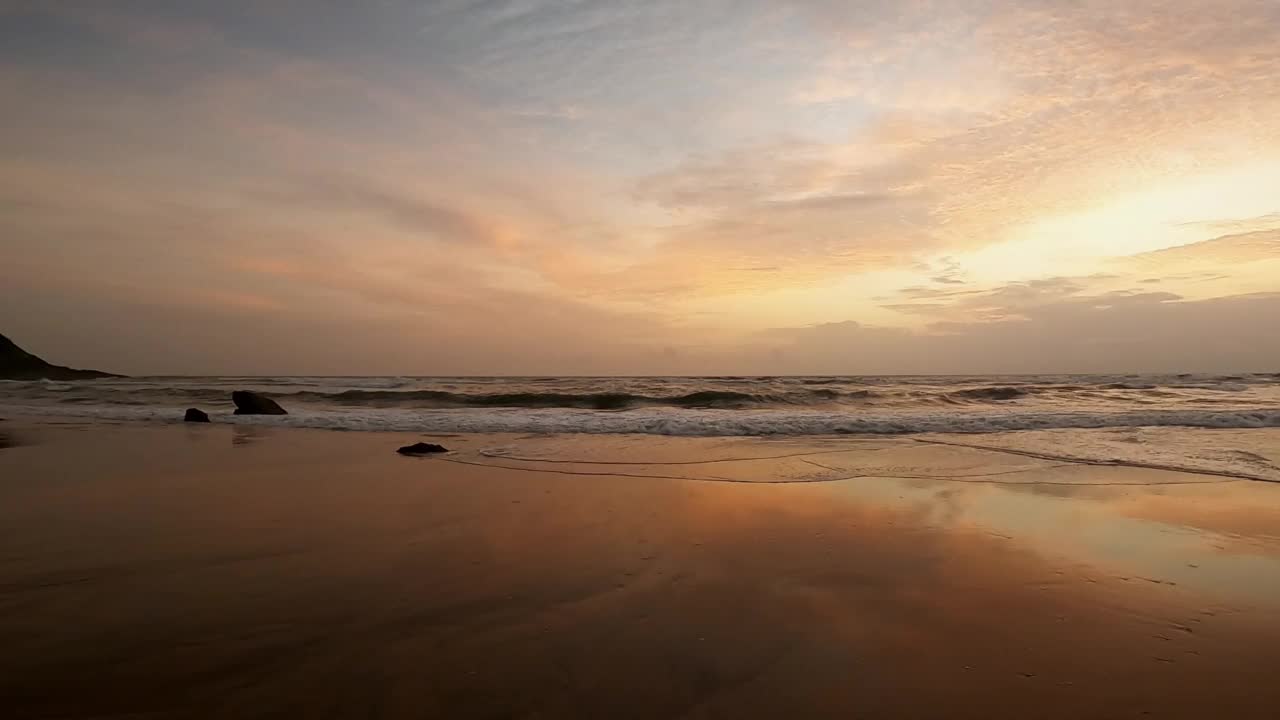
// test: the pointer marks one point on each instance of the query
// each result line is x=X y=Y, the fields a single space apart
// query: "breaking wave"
x=699 y=422
x=686 y=406
x=533 y=394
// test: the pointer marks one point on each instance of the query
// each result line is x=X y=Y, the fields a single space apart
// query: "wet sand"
x=218 y=571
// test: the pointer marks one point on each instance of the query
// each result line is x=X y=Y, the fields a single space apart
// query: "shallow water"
x=1173 y=421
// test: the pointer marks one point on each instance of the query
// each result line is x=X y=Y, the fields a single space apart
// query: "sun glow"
x=1178 y=213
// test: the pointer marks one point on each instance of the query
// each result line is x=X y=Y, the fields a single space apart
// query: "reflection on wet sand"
x=311 y=573
x=246 y=434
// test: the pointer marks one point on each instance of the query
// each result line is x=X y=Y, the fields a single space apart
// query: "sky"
x=598 y=187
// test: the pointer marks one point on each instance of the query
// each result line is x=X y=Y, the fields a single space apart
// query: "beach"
x=661 y=360
x=162 y=570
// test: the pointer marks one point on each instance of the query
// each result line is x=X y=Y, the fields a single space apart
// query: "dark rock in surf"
x=251 y=403
x=422 y=449
x=196 y=415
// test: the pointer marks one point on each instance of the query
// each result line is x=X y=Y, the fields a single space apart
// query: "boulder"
x=196 y=415
x=422 y=449
x=251 y=403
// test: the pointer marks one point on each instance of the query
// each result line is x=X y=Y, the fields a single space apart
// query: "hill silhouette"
x=18 y=364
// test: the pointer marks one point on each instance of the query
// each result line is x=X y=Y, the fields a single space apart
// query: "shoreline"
x=673 y=406
x=235 y=570
x=1269 y=437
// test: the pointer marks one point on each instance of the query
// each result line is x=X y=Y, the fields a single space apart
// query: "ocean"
x=1198 y=422
x=704 y=406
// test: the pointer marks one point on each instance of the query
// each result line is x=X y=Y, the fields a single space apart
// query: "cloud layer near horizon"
x=665 y=187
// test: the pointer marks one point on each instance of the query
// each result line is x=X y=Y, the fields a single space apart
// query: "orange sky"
x=557 y=187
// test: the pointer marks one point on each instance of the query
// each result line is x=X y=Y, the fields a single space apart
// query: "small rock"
x=251 y=403
x=421 y=449
x=196 y=415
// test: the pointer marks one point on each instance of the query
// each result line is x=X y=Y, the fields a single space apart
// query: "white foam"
x=668 y=421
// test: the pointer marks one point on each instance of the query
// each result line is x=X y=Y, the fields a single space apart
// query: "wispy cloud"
x=628 y=176
x=1062 y=332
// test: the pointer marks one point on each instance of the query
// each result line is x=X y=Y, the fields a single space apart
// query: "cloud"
x=442 y=220
x=1238 y=262
x=616 y=176
x=1062 y=332
x=1007 y=300
x=1235 y=226
x=1262 y=245
x=810 y=210
x=1095 y=100
x=806 y=240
